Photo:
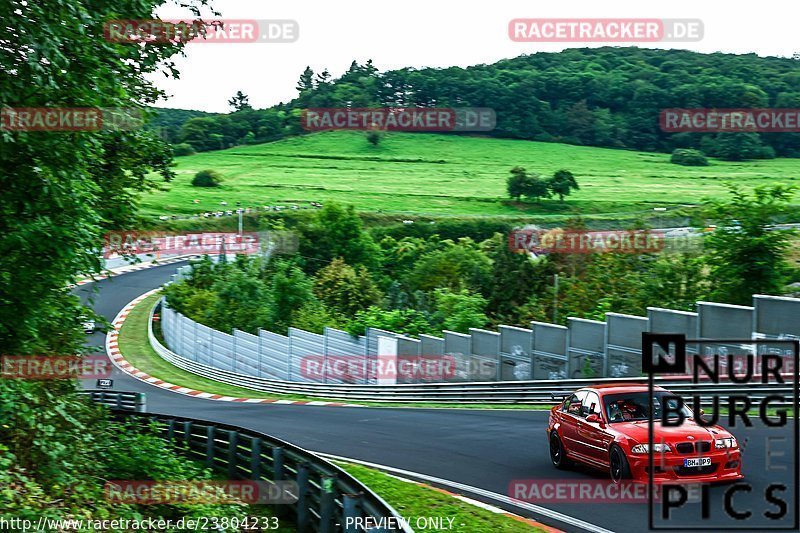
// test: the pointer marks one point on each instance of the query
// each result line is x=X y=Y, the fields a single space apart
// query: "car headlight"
x=657 y=448
x=727 y=442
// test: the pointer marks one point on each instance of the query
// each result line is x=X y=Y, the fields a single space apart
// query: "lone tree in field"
x=520 y=183
x=516 y=183
x=536 y=188
x=374 y=137
x=240 y=101
x=562 y=183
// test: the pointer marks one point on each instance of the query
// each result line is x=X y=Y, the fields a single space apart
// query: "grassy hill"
x=448 y=175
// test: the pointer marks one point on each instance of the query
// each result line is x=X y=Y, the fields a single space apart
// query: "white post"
x=387 y=361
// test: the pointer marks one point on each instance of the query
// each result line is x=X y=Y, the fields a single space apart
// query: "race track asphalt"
x=487 y=449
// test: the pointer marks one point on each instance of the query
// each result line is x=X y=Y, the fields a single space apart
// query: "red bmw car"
x=606 y=427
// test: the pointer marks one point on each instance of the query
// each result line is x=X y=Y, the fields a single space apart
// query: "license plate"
x=697 y=462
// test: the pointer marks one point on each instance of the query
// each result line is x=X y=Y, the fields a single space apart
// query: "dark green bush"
x=477 y=229
x=737 y=146
x=183 y=149
x=57 y=451
x=689 y=157
x=207 y=178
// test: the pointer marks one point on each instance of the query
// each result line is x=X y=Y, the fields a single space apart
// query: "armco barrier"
x=329 y=500
x=490 y=392
x=121 y=401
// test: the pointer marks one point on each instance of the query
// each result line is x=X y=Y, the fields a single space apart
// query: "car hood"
x=638 y=431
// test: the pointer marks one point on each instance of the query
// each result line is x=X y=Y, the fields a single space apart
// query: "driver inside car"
x=625 y=410
x=614 y=412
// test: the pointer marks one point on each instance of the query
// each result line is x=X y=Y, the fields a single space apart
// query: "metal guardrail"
x=496 y=392
x=121 y=401
x=329 y=500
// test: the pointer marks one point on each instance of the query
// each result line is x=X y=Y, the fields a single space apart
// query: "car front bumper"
x=669 y=467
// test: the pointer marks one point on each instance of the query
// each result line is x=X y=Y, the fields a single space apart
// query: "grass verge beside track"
x=135 y=348
x=412 y=500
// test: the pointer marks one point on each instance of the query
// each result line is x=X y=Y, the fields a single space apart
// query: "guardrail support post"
x=170 y=430
x=255 y=459
x=352 y=510
x=187 y=433
x=141 y=402
x=303 y=515
x=278 y=476
x=327 y=503
x=277 y=464
x=210 y=446
x=233 y=443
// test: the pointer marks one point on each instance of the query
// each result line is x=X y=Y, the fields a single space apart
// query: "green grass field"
x=448 y=175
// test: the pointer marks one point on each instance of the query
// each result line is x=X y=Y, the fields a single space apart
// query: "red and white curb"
x=112 y=348
x=130 y=268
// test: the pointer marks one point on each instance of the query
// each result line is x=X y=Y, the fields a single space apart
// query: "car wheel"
x=557 y=455
x=618 y=465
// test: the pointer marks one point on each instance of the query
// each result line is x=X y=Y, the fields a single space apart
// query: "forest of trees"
x=348 y=277
x=167 y=122
x=591 y=96
x=62 y=191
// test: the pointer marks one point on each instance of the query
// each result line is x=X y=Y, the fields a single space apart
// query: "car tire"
x=557 y=455
x=619 y=468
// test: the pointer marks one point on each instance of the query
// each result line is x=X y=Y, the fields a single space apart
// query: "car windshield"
x=636 y=406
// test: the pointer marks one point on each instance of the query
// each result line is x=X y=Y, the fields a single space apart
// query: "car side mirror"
x=595 y=418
